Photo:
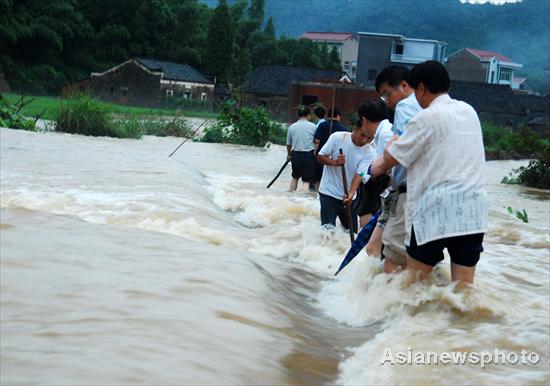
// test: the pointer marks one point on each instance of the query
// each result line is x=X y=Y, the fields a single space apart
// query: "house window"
x=187 y=95
x=492 y=77
x=203 y=96
x=399 y=49
x=372 y=74
x=112 y=90
x=169 y=93
x=124 y=91
x=505 y=74
x=309 y=99
x=346 y=66
x=353 y=69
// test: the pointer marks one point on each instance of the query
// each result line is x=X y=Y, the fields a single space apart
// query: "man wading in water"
x=393 y=84
x=357 y=155
x=442 y=149
x=299 y=145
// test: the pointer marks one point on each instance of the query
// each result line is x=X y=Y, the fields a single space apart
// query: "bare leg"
x=363 y=220
x=415 y=265
x=462 y=273
x=391 y=267
x=293 y=184
x=305 y=187
x=374 y=246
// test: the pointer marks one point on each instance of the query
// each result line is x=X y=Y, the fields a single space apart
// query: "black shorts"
x=464 y=250
x=369 y=195
x=303 y=165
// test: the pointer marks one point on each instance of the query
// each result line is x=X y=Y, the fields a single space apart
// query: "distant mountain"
x=517 y=30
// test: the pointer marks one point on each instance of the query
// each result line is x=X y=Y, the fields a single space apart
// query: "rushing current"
x=120 y=265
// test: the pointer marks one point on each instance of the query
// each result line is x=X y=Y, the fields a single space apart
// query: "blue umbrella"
x=359 y=243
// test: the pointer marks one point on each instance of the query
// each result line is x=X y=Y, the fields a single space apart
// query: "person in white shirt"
x=299 y=146
x=356 y=155
x=388 y=237
x=372 y=116
x=442 y=148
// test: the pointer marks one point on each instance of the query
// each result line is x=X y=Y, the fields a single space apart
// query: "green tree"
x=219 y=55
x=270 y=28
x=241 y=67
x=334 y=60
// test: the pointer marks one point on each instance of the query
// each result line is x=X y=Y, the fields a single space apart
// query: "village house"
x=269 y=86
x=475 y=65
x=347 y=97
x=346 y=45
x=377 y=51
x=146 y=82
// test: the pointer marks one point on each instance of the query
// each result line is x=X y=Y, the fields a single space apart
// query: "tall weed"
x=82 y=114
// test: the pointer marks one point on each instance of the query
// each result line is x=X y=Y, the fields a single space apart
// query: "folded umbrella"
x=360 y=242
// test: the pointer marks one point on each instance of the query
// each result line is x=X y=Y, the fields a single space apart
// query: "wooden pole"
x=191 y=136
x=332 y=111
x=348 y=208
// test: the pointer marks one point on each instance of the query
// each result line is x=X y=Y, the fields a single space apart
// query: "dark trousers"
x=332 y=208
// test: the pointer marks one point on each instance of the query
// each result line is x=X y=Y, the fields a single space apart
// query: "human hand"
x=348 y=198
x=341 y=160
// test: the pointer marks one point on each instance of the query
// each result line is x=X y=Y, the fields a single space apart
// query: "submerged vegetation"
x=244 y=126
x=520 y=215
x=536 y=174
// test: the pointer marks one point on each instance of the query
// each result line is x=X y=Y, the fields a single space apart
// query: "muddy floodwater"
x=120 y=265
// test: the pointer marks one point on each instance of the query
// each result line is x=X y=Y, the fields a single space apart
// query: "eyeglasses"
x=386 y=95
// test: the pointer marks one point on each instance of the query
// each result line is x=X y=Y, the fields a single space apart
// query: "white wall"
x=418 y=50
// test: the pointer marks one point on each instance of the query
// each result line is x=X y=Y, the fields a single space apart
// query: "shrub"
x=525 y=142
x=536 y=174
x=129 y=127
x=162 y=127
x=82 y=114
x=277 y=134
x=242 y=125
x=9 y=115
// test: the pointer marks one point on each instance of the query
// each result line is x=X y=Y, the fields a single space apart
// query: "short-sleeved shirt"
x=357 y=157
x=324 y=131
x=382 y=136
x=442 y=148
x=300 y=135
x=404 y=111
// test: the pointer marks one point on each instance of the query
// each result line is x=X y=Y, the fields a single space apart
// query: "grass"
x=52 y=106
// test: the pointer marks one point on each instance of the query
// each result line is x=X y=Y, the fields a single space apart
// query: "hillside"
x=518 y=30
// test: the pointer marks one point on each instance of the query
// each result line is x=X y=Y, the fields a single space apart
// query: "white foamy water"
x=120 y=265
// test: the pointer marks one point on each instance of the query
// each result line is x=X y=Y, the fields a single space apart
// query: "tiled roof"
x=486 y=55
x=174 y=71
x=329 y=36
x=276 y=80
x=494 y=98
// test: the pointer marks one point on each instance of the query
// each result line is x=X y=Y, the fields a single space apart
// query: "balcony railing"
x=400 y=58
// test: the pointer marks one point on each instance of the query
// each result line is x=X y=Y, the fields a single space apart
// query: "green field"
x=51 y=104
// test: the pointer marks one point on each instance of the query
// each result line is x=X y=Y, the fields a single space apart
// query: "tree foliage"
x=45 y=44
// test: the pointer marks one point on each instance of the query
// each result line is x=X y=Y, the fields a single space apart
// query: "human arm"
x=326 y=160
x=288 y=152
x=355 y=182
